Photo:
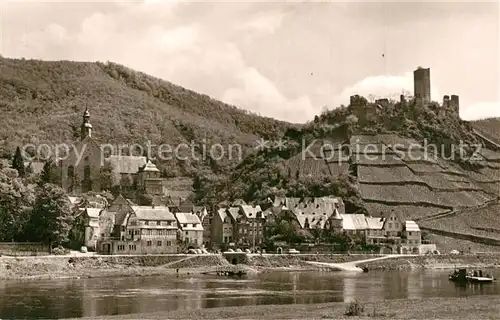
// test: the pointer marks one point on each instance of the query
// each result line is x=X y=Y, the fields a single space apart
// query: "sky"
x=287 y=60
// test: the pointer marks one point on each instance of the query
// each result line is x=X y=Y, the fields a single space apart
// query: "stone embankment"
x=49 y=267
x=478 y=260
x=58 y=267
x=303 y=260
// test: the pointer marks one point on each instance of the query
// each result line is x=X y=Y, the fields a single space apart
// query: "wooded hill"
x=43 y=102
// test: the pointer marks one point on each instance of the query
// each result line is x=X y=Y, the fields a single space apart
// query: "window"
x=86 y=172
x=187 y=233
x=158 y=243
x=158 y=223
x=149 y=243
x=121 y=247
x=131 y=247
x=409 y=233
x=184 y=225
x=168 y=243
x=390 y=225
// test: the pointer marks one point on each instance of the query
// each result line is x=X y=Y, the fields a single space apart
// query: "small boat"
x=461 y=275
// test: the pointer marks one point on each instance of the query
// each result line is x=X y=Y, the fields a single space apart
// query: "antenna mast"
x=385 y=38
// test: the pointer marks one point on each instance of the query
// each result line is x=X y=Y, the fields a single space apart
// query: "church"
x=81 y=169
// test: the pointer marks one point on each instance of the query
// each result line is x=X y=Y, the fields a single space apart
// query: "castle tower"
x=455 y=104
x=86 y=128
x=422 y=84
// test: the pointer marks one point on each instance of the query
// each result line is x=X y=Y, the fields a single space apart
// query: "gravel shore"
x=467 y=308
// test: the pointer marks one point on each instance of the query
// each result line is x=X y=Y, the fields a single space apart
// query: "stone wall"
x=23 y=249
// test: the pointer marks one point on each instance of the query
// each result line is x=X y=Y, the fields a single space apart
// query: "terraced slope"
x=489 y=127
x=473 y=223
x=396 y=173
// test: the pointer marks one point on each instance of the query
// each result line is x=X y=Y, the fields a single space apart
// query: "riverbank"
x=474 y=307
x=63 y=267
x=478 y=260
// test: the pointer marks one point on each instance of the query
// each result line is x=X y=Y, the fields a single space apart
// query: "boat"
x=476 y=276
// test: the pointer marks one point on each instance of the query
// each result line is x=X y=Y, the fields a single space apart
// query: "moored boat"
x=476 y=276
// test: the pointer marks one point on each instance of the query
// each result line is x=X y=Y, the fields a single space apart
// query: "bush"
x=355 y=308
x=59 y=251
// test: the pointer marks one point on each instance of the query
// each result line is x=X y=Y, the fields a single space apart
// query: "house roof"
x=75 y=200
x=273 y=210
x=316 y=211
x=222 y=213
x=130 y=202
x=411 y=226
x=149 y=167
x=233 y=212
x=126 y=164
x=375 y=223
x=354 y=222
x=188 y=218
x=93 y=212
x=201 y=212
x=396 y=214
x=250 y=212
x=153 y=213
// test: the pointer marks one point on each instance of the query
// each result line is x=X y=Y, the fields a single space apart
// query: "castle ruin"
x=367 y=112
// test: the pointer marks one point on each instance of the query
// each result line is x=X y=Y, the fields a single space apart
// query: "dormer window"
x=324 y=213
x=317 y=206
x=249 y=214
x=185 y=225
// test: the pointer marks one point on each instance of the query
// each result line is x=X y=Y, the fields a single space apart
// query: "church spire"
x=86 y=129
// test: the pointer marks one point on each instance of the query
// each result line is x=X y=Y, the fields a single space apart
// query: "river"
x=54 y=299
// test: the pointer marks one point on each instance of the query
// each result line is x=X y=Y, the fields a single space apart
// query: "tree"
x=126 y=182
x=51 y=218
x=106 y=177
x=50 y=174
x=16 y=202
x=18 y=163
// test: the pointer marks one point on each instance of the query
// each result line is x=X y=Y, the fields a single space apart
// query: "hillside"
x=43 y=101
x=411 y=165
x=489 y=127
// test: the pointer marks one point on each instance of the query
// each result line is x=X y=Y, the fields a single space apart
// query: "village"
x=126 y=228
x=145 y=216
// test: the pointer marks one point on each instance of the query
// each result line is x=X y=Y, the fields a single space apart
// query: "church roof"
x=126 y=164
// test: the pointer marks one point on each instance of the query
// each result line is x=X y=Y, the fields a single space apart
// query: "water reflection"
x=95 y=297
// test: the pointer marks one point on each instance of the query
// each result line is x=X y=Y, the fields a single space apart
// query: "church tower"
x=86 y=128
